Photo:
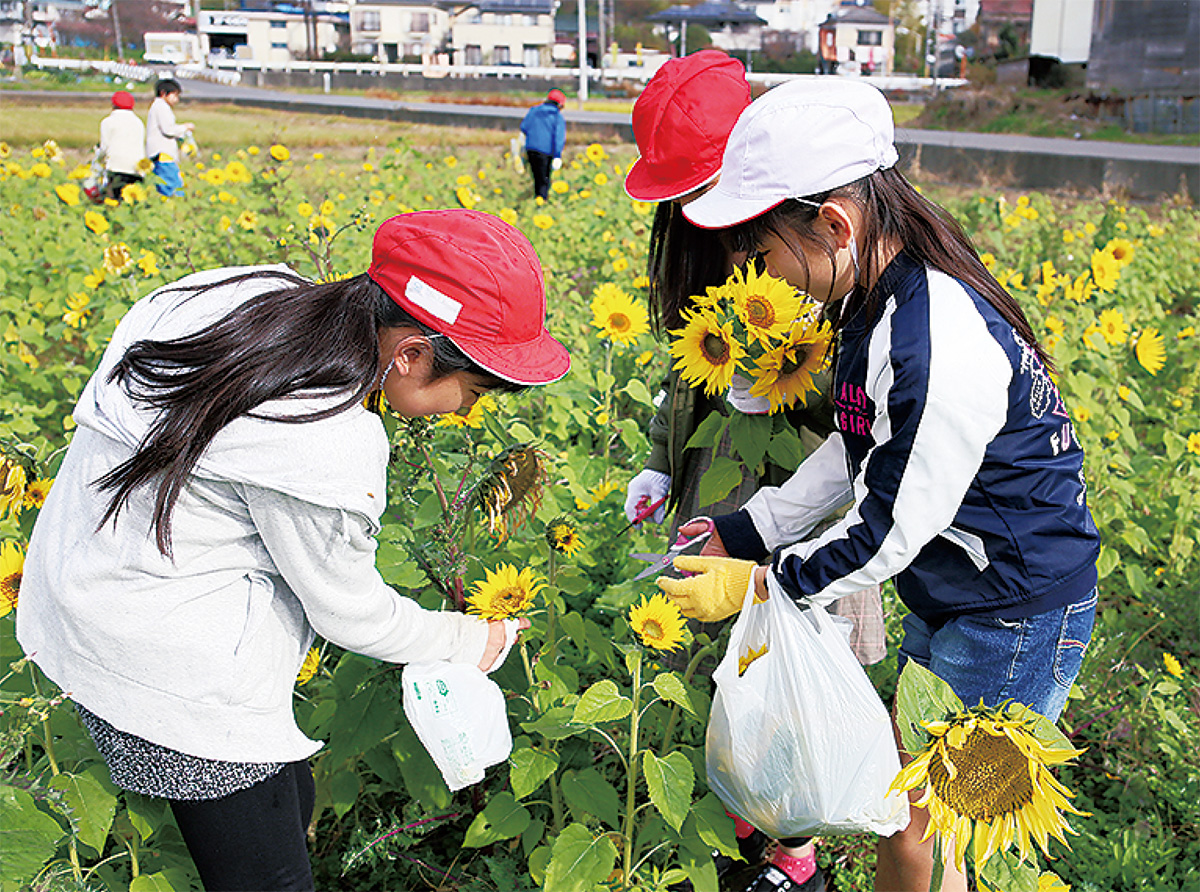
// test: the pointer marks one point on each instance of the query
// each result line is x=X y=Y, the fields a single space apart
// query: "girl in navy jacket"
x=953 y=446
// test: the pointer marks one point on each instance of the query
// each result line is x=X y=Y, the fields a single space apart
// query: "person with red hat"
x=122 y=145
x=544 y=131
x=681 y=123
x=218 y=504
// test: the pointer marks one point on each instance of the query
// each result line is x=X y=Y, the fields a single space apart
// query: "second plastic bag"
x=799 y=743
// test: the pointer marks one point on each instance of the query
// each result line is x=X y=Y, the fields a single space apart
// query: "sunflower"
x=511 y=490
x=473 y=417
x=77 y=310
x=12 y=563
x=595 y=153
x=36 y=492
x=148 y=263
x=658 y=622
x=563 y=536
x=1172 y=665
x=1105 y=270
x=13 y=478
x=706 y=351
x=1150 y=350
x=95 y=221
x=986 y=773
x=543 y=221
x=247 y=220
x=118 y=258
x=1081 y=289
x=1113 y=327
x=68 y=194
x=784 y=374
x=308 y=669
x=280 y=152
x=767 y=306
x=1121 y=250
x=505 y=592
x=619 y=317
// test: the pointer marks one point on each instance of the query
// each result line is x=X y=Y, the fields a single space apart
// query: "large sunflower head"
x=986 y=774
x=766 y=306
x=1121 y=250
x=784 y=374
x=658 y=622
x=505 y=592
x=706 y=351
x=562 y=535
x=511 y=491
x=12 y=565
x=620 y=318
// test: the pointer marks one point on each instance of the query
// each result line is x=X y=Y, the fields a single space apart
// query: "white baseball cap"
x=798 y=139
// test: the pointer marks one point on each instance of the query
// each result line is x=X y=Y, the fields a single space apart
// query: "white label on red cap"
x=431 y=300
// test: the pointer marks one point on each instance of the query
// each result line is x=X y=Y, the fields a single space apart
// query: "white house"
x=504 y=32
x=268 y=35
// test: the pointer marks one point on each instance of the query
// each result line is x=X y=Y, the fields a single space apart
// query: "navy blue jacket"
x=959 y=458
x=544 y=129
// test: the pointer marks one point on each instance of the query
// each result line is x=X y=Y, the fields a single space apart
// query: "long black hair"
x=893 y=212
x=301 y=339
x=683 y=260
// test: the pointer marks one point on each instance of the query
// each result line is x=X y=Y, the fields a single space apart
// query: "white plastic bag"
x=799 y=743
x=460 y=717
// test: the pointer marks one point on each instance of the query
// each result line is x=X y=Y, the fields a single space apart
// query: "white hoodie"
x=273 y=537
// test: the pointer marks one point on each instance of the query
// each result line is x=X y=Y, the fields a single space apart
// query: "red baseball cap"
x=122 y=99
x=681 y=123
x=558 y=96
x=477 y=280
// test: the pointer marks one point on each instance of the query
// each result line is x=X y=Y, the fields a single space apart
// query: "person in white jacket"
x=163 y=135
x=218 y=504
x=122 y=145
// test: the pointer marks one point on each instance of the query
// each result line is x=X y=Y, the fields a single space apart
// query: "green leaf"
x=695 y=857
x=750 y=436
x=921 y=697
x=93 y=804
x=344 y=788
x=1047 y=733
x=28 y=837
x=579 y=860
x=1006 y=871
x=721 y=478
x=588 y=792
x=422 y=779
x=554 y=724
x=708 y=432
x=151 y=882
x=503 y=818
x=713 y=825
x=638 y=391
x=670 y=781
x=786 y=450
x=1107 y=561
x=529 y=770
x=669 y=686
x=147 y=814
x=602 y=702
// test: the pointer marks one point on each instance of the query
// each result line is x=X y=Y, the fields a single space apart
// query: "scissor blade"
x=661 y=562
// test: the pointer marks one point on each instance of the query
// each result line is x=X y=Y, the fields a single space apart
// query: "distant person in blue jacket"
x=544 y=131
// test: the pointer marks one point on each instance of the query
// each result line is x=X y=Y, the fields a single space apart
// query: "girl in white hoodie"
x=218 y=505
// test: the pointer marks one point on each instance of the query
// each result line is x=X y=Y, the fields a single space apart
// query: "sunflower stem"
x=551 y=613
x=939 y=867
x=688 y=672
x=632 y=771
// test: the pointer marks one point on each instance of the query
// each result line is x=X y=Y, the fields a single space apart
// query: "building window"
x=870 y=38
x=278 y=24
x=420 y=23
x=529 y=21
x=279 y=44
x=501 y=55
x=472 y=54
x=532 y=55
x=368 y=20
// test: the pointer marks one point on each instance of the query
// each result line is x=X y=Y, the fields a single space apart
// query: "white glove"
x=645 y=489
x=739 y=397
x=556 y=164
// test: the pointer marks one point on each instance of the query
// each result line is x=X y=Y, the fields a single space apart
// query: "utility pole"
x=583 y=78
x=601 y=35
x=117 y=29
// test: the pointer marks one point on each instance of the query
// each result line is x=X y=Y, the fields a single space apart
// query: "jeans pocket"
x=1073 y=639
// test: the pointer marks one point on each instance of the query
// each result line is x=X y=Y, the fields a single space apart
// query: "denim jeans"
x=1033 y=660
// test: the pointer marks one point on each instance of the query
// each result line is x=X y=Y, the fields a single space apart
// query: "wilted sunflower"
x=986 y=774
x=13 y=480
x=118 y=258
x=784 y=374
x=12 y=563
x=563 y=536
x=619 y=317
x=505 y=592
x=511 y=491
x=1150 y=350
x=706 y=352
x=658 y=622
x=767 y=306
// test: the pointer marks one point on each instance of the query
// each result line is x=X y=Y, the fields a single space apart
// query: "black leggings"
x=253 y=840
x=540 y=164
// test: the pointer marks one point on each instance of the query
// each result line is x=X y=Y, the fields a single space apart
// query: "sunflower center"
x=760 y=312
x=619 y=322
x=716 y=349
x=652 y=630
x=792 y=361
x=992 y=777
x=10 y=585
x=508 y=599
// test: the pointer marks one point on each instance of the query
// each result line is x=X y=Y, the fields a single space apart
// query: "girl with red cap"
x=681 y=123
x=218 y=504
x=122 y=145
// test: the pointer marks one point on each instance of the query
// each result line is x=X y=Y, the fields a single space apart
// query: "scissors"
x=660 y=562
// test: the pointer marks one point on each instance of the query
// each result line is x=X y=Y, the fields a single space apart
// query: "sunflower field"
x=516 y=508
